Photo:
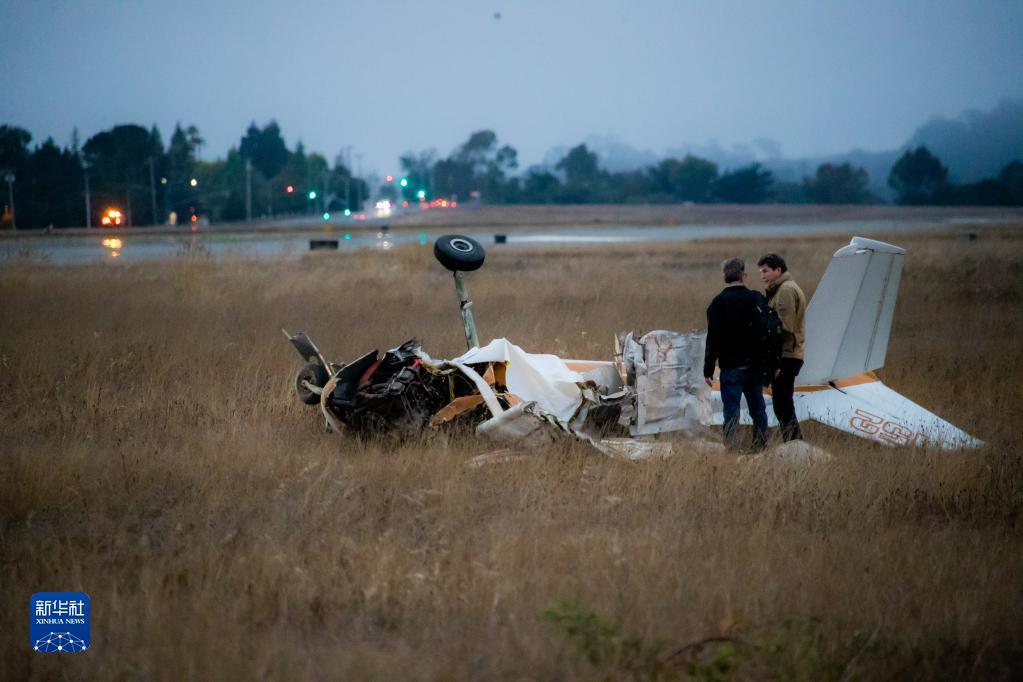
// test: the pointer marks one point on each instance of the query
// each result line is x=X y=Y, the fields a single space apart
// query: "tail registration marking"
x=884 y=430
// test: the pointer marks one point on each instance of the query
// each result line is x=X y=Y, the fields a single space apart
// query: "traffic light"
x=312 y=194
x=404 y=182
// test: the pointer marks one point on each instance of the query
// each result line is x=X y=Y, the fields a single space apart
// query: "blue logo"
x=59 y=622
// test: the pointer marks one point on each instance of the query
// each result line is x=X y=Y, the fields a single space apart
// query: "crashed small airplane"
x=652 y=385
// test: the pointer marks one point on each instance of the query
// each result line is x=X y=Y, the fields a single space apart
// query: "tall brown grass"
x=153 y=454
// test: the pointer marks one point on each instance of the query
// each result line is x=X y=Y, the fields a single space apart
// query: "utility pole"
x=248 y=190
x=10 y=194
x=346 y=154
x=346 y=159
x=88 y=202
x=152 y=190
x=358 y=175
x=323 y=196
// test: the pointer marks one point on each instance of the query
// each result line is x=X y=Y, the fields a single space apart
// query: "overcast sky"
x=389 y=76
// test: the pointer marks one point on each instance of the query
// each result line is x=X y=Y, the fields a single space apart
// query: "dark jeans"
x=735 y=383
x=781 y=391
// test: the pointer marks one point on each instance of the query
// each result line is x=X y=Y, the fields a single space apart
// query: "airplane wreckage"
x=653 y=384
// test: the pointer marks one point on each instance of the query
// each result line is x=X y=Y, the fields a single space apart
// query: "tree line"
x=920 y=178
x=129 y=168
x=482 y=165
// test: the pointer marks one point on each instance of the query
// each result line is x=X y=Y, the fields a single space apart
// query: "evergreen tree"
x=837 y=184
x=919 y=177
x=748 y=185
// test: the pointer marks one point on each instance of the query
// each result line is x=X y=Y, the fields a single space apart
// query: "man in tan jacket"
x=787 y=299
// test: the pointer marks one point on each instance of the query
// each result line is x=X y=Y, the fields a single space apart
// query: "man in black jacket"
x=732 y=345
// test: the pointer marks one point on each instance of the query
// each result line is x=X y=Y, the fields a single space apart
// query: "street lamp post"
x=248 y=190
x=358 y=174
x=88 y=203
x=167 y=186
x=10 y=194
x=323 y=196
x=152 y=190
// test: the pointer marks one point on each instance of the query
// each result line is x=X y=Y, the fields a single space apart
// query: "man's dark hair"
x=733 y=269
x=773 y=261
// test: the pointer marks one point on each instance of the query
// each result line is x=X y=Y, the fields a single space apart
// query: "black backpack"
x=768 y=339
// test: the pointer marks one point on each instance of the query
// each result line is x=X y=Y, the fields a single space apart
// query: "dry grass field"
x=153 y=455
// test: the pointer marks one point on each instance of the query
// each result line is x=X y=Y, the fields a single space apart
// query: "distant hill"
x=877 y=165
x=975 y=145
x=613 y=154
x=763 y=150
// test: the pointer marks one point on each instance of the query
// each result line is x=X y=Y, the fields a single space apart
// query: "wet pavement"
x=139 y=246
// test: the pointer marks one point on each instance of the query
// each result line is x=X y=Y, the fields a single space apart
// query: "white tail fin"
x=850 y=316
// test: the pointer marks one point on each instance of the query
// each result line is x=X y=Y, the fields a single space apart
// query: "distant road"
x=509 y=218
x=289 y=242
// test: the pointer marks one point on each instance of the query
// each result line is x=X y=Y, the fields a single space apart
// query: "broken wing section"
x=873 y=411
x=545 y=379
x=588 y=399
x=850 y=316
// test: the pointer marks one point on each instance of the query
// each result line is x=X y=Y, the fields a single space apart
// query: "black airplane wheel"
x=458 y=253
x=315 y=374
